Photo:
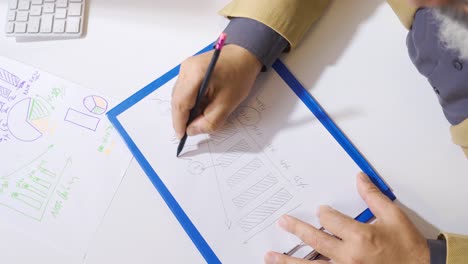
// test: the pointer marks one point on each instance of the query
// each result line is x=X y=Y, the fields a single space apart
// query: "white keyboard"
x=45 y=18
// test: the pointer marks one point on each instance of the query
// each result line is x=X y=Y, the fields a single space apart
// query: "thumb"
x=378 y=203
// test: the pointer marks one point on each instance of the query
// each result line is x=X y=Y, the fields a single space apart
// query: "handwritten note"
x=61 y=160
x=272 y=157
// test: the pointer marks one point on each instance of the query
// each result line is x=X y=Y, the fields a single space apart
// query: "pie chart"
x=28 y=119
x=95 y=104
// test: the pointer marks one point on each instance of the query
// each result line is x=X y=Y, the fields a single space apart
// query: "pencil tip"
x=181 y=145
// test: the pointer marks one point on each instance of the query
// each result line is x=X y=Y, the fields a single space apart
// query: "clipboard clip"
x=313 y=255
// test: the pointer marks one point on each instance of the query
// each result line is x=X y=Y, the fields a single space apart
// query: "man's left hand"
x=392 y=239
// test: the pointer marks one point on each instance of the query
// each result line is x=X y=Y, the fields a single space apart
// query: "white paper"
x=61 y=159
x=272 y=157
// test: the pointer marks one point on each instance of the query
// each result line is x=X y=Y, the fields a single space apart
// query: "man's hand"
x=230 y=83
x=392 y=239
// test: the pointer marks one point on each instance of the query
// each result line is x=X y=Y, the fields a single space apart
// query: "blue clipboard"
x=171 y=202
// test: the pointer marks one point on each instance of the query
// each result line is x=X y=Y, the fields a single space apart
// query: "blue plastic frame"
x=172 y=203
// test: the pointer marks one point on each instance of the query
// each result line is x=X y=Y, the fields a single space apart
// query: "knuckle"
x=364 y=237
x=341 y=227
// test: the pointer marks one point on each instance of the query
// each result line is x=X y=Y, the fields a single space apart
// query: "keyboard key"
x=74 y=9
x=33 y=25
x=49 y=7
x=62 y=3
x=12 y=15
x=61 y=13
x=59 y=26
x=47 y=23
x=22 y=16
x=36 y=10
x=73 y=25
x=24 y=5
x=13 y=4
x=37 y=2
x=10 y=27
x=20 y=27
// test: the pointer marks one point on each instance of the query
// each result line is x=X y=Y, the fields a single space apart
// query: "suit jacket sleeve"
x=460 y=137
x=291 y=19
x=404 y=11
x=457 y=248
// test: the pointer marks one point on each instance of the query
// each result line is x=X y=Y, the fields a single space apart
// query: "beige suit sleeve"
x=460 y=135
x=404 y=11
x=457 y=248
x=291 y=18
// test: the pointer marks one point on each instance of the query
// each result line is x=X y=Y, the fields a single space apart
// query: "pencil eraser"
x=221 y=40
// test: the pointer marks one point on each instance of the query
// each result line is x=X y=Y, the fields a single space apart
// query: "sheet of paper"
x=272 y=157
x=61 y=159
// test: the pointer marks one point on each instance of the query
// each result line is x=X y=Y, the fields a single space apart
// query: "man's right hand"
x=230 y=83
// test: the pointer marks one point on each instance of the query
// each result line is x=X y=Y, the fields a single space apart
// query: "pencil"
x=201 y=92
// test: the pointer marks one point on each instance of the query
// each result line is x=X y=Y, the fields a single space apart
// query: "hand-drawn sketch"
x=10 y=78
x=95 y=104
x=248 y=116
x=164 y=106
x=244 y=172
x=50 y=165
x=233 y=153
x=226 y=132
x=265 y=210
x=25 y=120
x=252 y=188
x=81 y=119
x=5 y=92
x=254 y=191
x=29 y=189
x=196 y=168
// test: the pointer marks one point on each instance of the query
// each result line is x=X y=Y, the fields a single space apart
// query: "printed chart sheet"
x=61 y=159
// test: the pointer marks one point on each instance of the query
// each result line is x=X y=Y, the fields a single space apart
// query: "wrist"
x=259 y=39
x=424 y=256
x=247 y=60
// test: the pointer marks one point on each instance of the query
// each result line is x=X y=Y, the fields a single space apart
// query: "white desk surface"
x=354 y=62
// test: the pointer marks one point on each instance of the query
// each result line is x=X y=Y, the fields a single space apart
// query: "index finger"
x=324 y=243
x=184 y=96
x=337 y=223
x=378 y=203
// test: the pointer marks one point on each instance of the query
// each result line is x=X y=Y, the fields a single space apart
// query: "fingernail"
x=193 y=130
x=283 y=221
x=271 y=258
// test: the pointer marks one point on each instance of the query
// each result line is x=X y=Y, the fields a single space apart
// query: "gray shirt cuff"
x=262 y=41
x=438 y=251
